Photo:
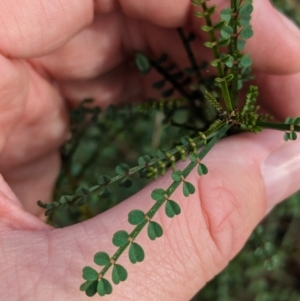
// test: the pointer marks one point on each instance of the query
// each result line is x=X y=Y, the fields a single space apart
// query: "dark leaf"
x=202 y=169
x=126 y=182
x=246 y=9
x=89 y=274
x=120 y=238
x=104 y=193
x=188 y=188
x=142 y=63
x=226 y=14
x=172 y=208
x=122 y=169
x=178 y=75
x=162 y=59
x=245 y=61
x=167 y=93
x=82 y=191
x=91 y=288
x=158 y=194
x=226 y=32
x=41 y=204
x=81 y=201
x=159 y=84
x=101 y=258
x=154 y=230
x=136 y=253
x=176 y=175
x=104 y=287
x=119 y=274
x=136 y=217
x=143 y=160
x=104 y=180
x=246 y=32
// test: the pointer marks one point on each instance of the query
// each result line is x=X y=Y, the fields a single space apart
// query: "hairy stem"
x=215 y=48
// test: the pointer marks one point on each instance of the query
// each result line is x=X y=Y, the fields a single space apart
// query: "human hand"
x=54 y=54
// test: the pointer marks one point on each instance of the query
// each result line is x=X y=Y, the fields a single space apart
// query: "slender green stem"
x=219 y=133
x=215 y=48
x=278 y=126
x=190 y=55
x=234 y=52
x=169 y=78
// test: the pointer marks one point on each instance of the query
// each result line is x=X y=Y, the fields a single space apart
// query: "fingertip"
x=34 y=28
x=275 y=45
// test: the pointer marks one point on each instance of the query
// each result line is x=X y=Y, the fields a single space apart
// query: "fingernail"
x=281 y=172
x=289 y=24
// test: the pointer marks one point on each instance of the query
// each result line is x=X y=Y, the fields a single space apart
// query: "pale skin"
x=55 y=53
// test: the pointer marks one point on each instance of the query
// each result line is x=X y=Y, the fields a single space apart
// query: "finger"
x=169 y=13
x=34 y=27
x=276 y=41
x=110 y=41
x=33 y=123
x=13 y=216
x=34 y=180
x=213 y=226
x=121 y=85
x=279 y=94
x=33 y=115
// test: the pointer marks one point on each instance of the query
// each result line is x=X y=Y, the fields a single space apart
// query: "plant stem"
x=215 y=48
x=190 y=55
x=278 y=126
x=219 y=133
x=234 y=52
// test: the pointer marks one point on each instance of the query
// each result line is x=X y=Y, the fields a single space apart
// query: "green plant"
x=214 y=109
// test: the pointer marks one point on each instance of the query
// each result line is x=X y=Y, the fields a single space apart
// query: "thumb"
x=215 y=222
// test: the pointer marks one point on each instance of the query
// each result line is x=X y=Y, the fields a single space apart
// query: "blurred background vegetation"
x=268 y=267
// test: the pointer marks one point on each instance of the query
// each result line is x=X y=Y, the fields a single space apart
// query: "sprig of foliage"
x=95 y=282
